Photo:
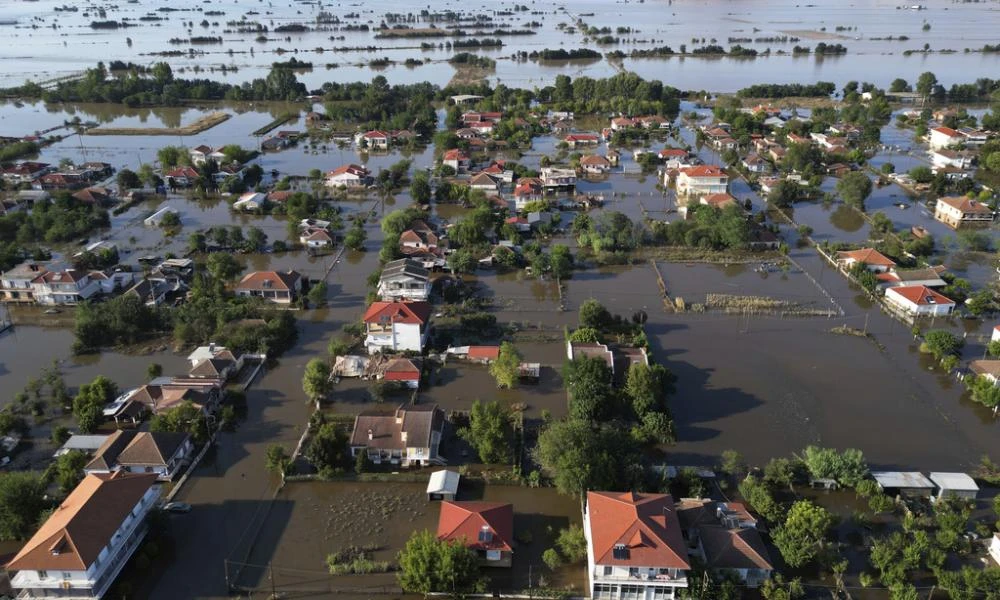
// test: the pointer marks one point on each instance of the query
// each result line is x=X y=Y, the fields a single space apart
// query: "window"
x=608 y=571
x=620 y=552
x=67 y=575
x=604 y=591
x=633 y=571
x=43 y=574
x=662 y=593
x=632 y=592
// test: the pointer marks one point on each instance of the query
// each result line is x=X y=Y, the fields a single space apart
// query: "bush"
x=551 y=559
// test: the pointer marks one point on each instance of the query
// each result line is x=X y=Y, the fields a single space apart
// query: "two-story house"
x=397 y=326
x=456 y=159
x=348 y=176
x=554 y=178
x=702 y=180
x=15 y=284
x=635 y=550
x=409 y=436
x=404 y=279
x=373 y=140
x=83 y=545
x=64 y=287
x=958 y=211
x=162 y=453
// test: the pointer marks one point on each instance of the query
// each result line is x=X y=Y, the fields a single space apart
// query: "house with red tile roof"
x=480 y=354
x=943 y=137
x=281 y=287
x=595 y=163
x=582 y=139
x=86 y=541
x=348 y=176
x=456 y=159
x=958 y=211
x=397 y=326
x=402 y=370
x=702 y=180
x=870 y=257
x=181 y=176
x=634 y=546
x=919 y=301
x=373 y=140
x=486 y=527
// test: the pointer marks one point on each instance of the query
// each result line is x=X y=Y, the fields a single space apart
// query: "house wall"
x=404 y=289
x=995 y=549
x=923 y=310
x=401 y=336
x=99 y=576
x=939 y=140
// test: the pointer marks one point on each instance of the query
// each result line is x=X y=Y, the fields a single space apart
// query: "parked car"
x=177 y=507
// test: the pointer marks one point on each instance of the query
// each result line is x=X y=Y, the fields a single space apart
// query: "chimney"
x=371 y=434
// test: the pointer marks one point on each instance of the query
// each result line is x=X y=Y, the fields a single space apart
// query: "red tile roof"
x=966 y=204
x=869 y=256
x=948 y=131
x=455 y=154
x=485 y=352
x=645 y=524
x=279 y=280
x=703 y=171
x=399 y=312
x=351 y=168
x=920 y=295
x=465 y=521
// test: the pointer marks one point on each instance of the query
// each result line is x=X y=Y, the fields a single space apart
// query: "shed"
x=958 y=485
x=909 y=484
x=443 y=485
x=81 y=443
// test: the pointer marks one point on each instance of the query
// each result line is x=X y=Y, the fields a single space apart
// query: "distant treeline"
x=156 y=86
x=292 y=63
x=785 y=90
x=467 y=58
x=560 y=54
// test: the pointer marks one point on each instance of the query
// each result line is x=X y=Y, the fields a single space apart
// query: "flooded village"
x=629 y=301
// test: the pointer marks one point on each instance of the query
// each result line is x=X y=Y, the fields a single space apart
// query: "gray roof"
x=902 y=479
x=954 y=481
x=85 y=443
x=404 y=267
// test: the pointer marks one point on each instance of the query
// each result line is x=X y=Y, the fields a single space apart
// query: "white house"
x=397 y=326
x=404 y=279
x=944 y=137
x=944 y=158
x=919 y=301
x=374 y=140
x=995 y=547
x=411 y=435
x=956 y=211
x=316 y=238
x=595 y=163
x=156 y=218
x=553 y=178
x=702 y=180
x=635 y=550
x=64 y=287
x=280 y=287
x=875 y=261
x=161 y=453
x=250 y=201
x=456 y=159
x=83 y=545
x=348 y=176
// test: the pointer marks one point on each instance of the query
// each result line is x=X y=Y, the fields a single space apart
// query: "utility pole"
x=274 y=592
x=867 y=314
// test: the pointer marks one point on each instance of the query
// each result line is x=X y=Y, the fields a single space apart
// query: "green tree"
x=760 y=499
x=561 y=261
x=848 y=467
x=185 y=418
x=588 y=381
x=67 y=470
x=585 y=335
x=784 y=194
x=316 y=380
x=356 y=237
x=22 y=500
x=127 y=179
x=594 y=315
x=154 y=370
x=88 y=406
x=317 y=294
x=941 y=343
x=222 y=266
x=420 y=188
x=572 y=543
x=854 y=188
x=171 y=156
x=506 y=368
x=256 y=239
x=646 y=387
x=490 y=432
x=276 y=459
x=926 y=83
x=983 y=391
x=328 y=449
x=579 y=457
x=801 y=537
x=427 y=564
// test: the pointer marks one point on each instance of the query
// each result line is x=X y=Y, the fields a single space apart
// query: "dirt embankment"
x=202 y=124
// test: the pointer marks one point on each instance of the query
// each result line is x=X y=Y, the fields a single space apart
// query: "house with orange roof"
x=69 y=286
x=87 y=540
x=456 y=159
x=595 y=163
x=634 y=546
x=582 y=139
x=959 y=211
x=397 y=326
x=348 y=176
x=280 y=287
x=870 y=257
x=701 y=180
x=485 y=527
x=919 y=301
x=944 y=137
x=372 y=140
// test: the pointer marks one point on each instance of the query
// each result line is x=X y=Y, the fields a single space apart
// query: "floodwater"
x=63 y=43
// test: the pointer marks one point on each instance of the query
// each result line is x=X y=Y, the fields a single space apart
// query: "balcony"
x=679 y=580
